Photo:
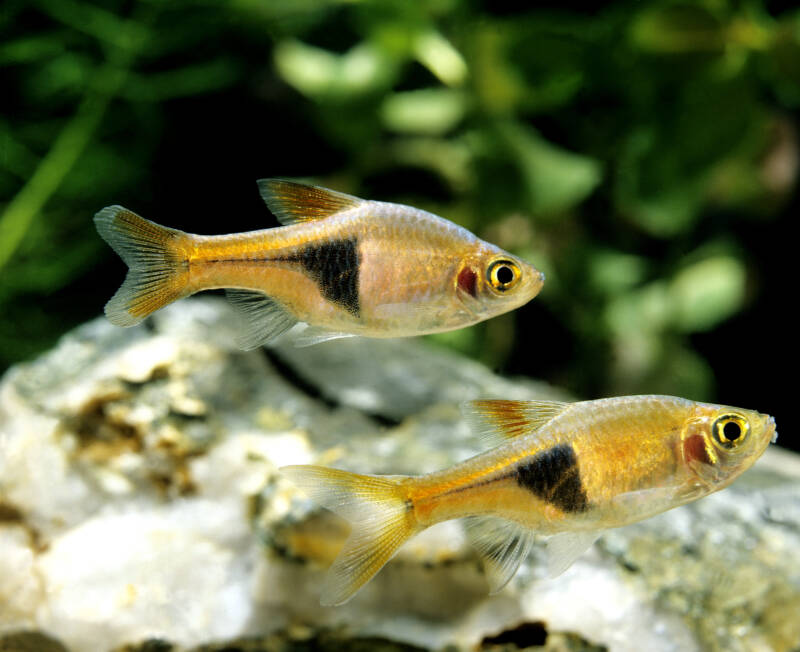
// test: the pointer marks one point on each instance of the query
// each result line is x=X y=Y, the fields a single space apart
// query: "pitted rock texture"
x=141 y=509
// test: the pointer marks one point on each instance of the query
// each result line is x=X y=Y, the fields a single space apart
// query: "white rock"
x=126 y=577
x=21 y=589
x=138 y=476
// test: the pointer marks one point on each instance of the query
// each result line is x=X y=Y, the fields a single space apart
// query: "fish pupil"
x=732 y=431
x=505 y=275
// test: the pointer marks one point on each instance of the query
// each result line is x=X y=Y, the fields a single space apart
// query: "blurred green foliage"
x=616 y=150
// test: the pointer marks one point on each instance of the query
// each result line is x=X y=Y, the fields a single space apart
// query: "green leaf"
x=432 y=111
x=677 y=28
x=668 y=213
x=498 y=86
x=555 y=179
x=646 y=310
x=65 y=76
x=323 y=75
x=87 y=17
x=707 y=293
x=30 y=48
x=437 y=54
x=613 y=272
x=782 y=61
x=451 y=159
x=675 y=370
x=181 y=82
x=684 y=373
x=667 y=164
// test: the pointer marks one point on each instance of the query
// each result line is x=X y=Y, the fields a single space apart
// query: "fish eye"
x=730 y=430
x=503 y=275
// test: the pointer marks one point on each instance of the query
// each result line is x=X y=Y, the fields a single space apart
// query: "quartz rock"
x=141 y=509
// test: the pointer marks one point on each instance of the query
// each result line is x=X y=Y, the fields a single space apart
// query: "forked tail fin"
x=381 y=517
x=158 y=267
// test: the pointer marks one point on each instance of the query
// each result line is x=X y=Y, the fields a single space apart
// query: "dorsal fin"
x=293 y=202
x=497 y=421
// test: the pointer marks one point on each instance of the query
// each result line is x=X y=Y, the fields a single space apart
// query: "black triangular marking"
x=334 y=265
x=553 y=476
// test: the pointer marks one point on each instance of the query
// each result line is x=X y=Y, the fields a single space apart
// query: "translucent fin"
x=263 y=318
x=293 y=202
x=158 y=268
x=502 y=544
x=498 y=421
x=381 y=519
x=314 y=335
x=564 y=548
x=471 y=305
x=655 y=499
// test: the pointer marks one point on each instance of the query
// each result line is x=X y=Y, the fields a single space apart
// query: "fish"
x=341 y=265
x=564 y=471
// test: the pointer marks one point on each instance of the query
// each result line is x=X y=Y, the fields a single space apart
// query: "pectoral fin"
x=655 y=499
x=313 y=335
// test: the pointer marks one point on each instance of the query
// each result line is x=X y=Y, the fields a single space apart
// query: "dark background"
x=643 y=154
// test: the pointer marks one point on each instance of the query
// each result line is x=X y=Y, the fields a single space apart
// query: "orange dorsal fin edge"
x=497 y=421
x=293 y=202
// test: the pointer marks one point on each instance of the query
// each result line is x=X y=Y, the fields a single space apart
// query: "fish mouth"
x=773 y=427
x=535 y=282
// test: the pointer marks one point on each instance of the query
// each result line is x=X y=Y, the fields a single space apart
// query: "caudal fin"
x=381 y=518
x=158 y=268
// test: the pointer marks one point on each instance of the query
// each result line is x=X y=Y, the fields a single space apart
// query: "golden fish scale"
x=400 y=260
x=621 y=446
x=399 y=257
x=482 y=484
x=581 y=468
x=342 y=265
x=631 y=444
x=236 y=261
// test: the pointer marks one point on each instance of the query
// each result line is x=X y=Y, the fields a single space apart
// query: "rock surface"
x=140 y=509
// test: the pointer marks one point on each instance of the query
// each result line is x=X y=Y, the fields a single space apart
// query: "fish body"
x=344 y=265
x=563 y=470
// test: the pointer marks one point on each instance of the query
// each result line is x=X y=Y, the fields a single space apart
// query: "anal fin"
x=263 y=318
x=565 y=547
x=502 y=545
